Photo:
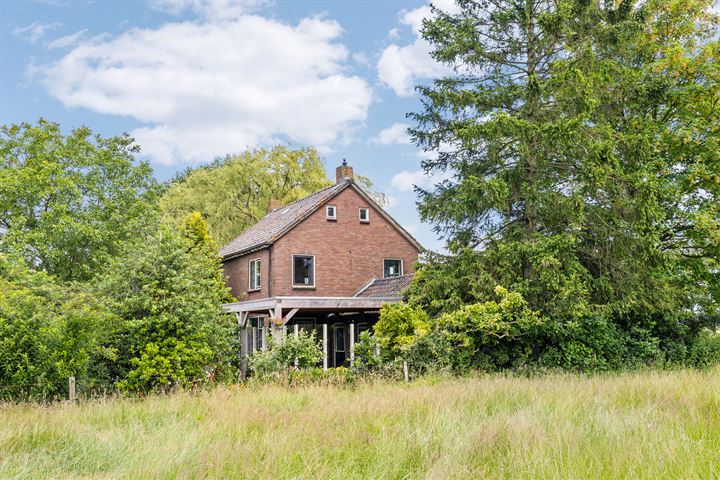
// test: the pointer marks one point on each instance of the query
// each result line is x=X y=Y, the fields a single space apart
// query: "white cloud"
x=406 y=180
x=67 y=40
x=396 y=133
x=400 y=67
x=35 y=31
x=211 y=9
x=207 y=89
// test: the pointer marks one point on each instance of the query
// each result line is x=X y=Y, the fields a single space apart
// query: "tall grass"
x=643 y=425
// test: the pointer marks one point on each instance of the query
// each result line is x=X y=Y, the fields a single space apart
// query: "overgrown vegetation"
x=646 y=425
x=579 y=150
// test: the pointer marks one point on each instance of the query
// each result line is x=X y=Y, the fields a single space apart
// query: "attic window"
x=331 y=212
x=364 y=215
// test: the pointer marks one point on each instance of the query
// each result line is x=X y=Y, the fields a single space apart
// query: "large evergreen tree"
x=581 y=144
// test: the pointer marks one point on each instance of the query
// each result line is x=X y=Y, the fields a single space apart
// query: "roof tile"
x=279 y=221
x=386 y=287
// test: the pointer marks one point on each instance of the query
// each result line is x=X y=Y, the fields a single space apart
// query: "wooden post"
x=325 y=347
x=264 y=336
x=71 y=389
x=405 y=372
x=352 y=343
x=296 y=331
x=243 y=321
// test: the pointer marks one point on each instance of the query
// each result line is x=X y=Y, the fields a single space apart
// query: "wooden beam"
x=352 y=343
x=243 y=350
x=291 y=314
x=325 y=346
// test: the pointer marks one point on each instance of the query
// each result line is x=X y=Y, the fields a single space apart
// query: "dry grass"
x=645 y=425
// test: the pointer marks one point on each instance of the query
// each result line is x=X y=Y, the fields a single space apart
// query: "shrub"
x=294 y=352
x=48 y=332
x=705 y=350
x=167 y=287
x=399 y=325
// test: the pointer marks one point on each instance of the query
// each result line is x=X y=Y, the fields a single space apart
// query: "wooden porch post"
x=242 y=322
x=264 y=336
x=352 y=343
x=325 y=346
x=278 y=328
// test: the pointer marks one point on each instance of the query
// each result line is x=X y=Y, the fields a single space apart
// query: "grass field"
x=644 y=425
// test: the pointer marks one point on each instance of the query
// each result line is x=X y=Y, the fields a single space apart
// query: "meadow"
x=634 y=425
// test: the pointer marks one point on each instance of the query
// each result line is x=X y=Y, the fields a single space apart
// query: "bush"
x=48 y=332
x=167 y=287
x=399 y=325
x=705 y=350
x=294 y=352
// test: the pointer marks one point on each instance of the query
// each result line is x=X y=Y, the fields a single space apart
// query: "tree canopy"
x=66 y=202
x=580 y=142
x=233 y=193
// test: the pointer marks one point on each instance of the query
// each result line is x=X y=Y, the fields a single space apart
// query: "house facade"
x=324 y=264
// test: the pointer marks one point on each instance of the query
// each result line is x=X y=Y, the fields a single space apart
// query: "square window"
x=392 y=267
x=303 y=270
x=331 y=212
x=254 y=274
x=364 y=214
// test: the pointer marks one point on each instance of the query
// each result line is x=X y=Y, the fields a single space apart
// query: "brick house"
x=325 y=264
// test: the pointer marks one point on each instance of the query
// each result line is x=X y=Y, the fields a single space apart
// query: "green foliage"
x=705 y=350
x=167 y=290
x=48 y=333
x=233 y=193
x=582 y=174
x=484 y=336
x=580 y=146
x=398 y=327
x=292 y=352
x=366 y=354
x=68 y=201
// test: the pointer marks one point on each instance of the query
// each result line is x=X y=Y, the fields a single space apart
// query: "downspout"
x=270 y=272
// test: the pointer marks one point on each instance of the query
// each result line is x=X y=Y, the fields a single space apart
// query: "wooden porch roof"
x=336 y=304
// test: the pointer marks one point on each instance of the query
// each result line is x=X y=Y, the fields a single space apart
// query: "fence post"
x=71 y=389
x=405 y=372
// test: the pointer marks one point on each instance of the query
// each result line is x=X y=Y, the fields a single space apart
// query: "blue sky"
x=195 y=79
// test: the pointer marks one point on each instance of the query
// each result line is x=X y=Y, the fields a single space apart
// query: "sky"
x=193 y=80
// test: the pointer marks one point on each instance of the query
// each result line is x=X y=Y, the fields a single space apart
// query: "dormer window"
x=331 y=212
x=364 y=215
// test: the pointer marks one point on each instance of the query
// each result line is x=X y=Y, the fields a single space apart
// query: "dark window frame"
x=312 y=277
x=402 y=267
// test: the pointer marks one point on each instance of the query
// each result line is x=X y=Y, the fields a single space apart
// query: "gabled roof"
x=280 y=221
x=385 y=287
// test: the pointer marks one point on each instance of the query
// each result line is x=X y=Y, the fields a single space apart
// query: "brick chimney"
x=273 y=205
x=343 y=172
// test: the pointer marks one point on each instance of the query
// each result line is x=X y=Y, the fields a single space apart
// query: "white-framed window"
x=303 y=270
x=392 y=267
x=331 y=212
x=364 y=214
x=254 y=274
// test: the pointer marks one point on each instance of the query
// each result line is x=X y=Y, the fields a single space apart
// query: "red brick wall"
x=236 y=275
x=347 y=253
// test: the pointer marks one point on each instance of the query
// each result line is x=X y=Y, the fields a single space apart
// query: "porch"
x=337 y=321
